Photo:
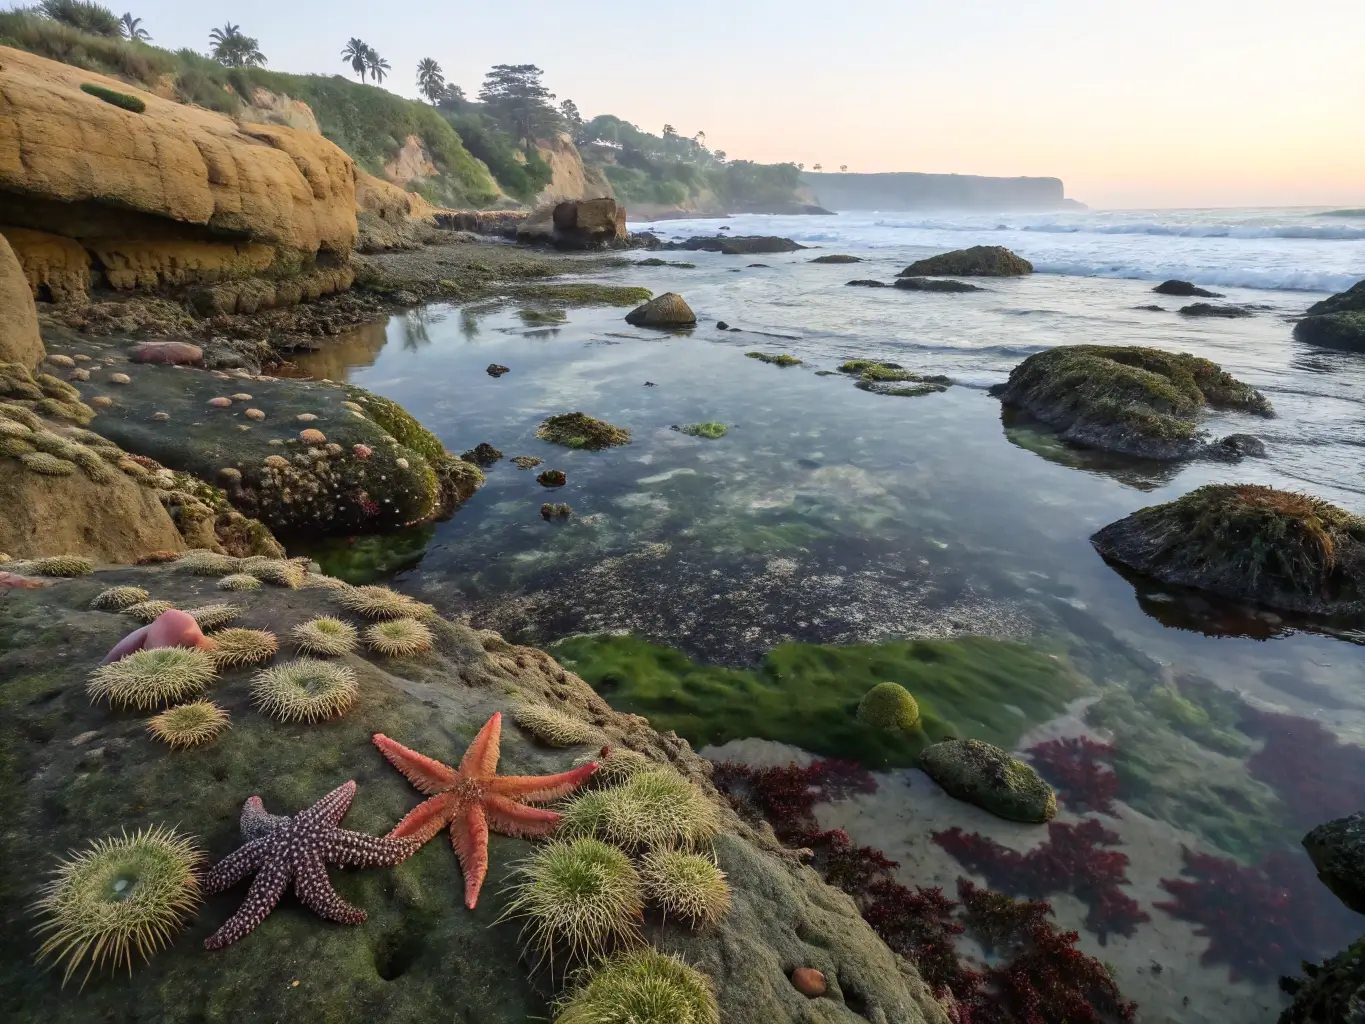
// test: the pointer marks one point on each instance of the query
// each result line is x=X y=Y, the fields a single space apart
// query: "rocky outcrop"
x=902 y=190
x=277 y=108
x=1337 y=849
x=985 y=775
x=78 y=771
x=170 y=196
x=978 y=261
x=412 y=163
x=19 y=339
x=1250 y=543
x=1184 y=289
x=1213 y=309
x=932 y=284
x=1137 y=401
x=570 y=178
x=667 y=310
x=740 y=245
x=576 y=224
x=388 y=217
x=1336 y=322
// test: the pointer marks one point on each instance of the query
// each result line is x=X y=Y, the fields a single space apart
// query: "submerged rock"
x=985 y=775
x=893 y=379
x=781 y=359
x=1209 y=309
x=1138 y=401
x=738 y=245
x=496 y=370
x=1336 y=322
x=666 y=310
x=1332 y=992
x=867 y=283
x=1248 y=542
x=837 y=258
x=552 y=478
x=579 y=430
x=482 y=454
x=925 y=284
x=1337 y=849
x=978 y=261
x=1183 y=289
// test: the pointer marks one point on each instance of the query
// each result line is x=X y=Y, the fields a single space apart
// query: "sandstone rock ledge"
x=75 y=772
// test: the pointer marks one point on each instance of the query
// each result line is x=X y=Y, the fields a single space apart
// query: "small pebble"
x=312 y=436
x=81 y=358
x=275 y=441
x=402 y=463
x=255 y=414
x=161 y=417
x=220 y=403
x=79 y=375
x=101 y=401
x=59 y=360
x=809 y=982
x=120 y=378
x=305 y=417
x=241 y=396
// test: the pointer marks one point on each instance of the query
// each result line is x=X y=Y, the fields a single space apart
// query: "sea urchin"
x=305 y=690
x=239 y=581
x=188 y=725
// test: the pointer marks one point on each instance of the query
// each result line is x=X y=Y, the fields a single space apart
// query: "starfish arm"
x=257 y=822
x=314 y=889
x=331 y=808
x=235 y=866
x=271 y=881
x=510 y=818
x=428 y=775
x=481 y=759
x=427 y=818
x=355 y=849
x=539 y=788
x=469 y=836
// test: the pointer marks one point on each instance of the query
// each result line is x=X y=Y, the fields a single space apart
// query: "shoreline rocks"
x=978 y=261
x=740 y=245
x=1336 y=322
x=929 y=284
x=1209 y=309
x=667 y=310
x=1135 y=401
x=1248 y=542
x=1185 y=289
x=19 y=339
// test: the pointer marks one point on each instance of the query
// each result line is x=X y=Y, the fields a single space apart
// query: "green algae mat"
x=808 y=694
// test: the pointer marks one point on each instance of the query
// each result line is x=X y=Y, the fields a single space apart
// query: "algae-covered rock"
x=739 y=245
x=1352 y=300
x=579 y=430
x=837 y=258
x=985 y=775
x=1248 y=542
x=893 y=379
x=1337 y=849
x=1332 y=992
x=929 y=284
x=713 y=431
x=304 y=457
x=1138 y=401
x=978 y=261
x=666 y=310
x=1344 y=330
x=77 y=772
x=778 y=359
x=1212 y=309
x=1184 y=289
x=889 y=706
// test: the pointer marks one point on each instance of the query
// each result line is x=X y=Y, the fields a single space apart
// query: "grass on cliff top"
x=368 y=122
x=808 y=694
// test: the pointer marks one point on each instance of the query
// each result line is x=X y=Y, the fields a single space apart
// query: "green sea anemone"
x=118 y=896
x=656 y=808
x=47 y=465
x=211 y=616
x=279 y=571
x=117 y=599
x=324 y=636
x=552 y=726
x=399 y=638
x=305 y=690
x=378 y=603
x=686 y=885
x=239 y=581
x=60 y=566
x=616 y=764
x=8 y=428
x=317 y=581
x=148 y=678
x=148 y=611
x=243 y=647
x=202 y=562
x=578 y=430
x=581 y=896
x=189 y=725
x=889 y=706
x=641 y=986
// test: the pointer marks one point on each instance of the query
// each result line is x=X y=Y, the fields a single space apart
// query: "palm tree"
x=132 y=28
x=356 y=53
x=431 y=80
x=225 y=36
x=816 y=167
x=377 y=65
x=843 y=168
x=235 y=50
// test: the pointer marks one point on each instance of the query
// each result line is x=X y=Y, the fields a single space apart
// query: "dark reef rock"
x=1352 y=300
x=928 y=284
x=552 y=478
x=1332 y=992
x=1336 y=322
x=985 y=775
x=739 y=245
x=1185 y=289
x=579 y=430
x=1235 y=448
x=496 y=370
x=868 y=283
x=1337 y=849
x=837 y=258
x=1137 y=401
x=1209 y=309
x=1248 y=542
x=978 y=261
x=482 y=454
x=1152 y=308
x=666 y=310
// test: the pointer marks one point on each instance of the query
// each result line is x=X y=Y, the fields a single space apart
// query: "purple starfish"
x=279 y=847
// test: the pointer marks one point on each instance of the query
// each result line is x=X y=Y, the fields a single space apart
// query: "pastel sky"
x=1162 y=103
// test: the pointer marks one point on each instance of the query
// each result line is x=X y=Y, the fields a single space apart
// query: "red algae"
x=1072 y=860
x=1316 y=775
x=1076 y=770
x=1262 y=921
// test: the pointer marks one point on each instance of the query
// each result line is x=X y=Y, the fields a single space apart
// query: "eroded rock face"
x=81 y=771
x=978 y=261
x=171 y=196
x=19 y=339
x=576 y=224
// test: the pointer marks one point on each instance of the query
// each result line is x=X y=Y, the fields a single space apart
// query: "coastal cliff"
x=904 y=190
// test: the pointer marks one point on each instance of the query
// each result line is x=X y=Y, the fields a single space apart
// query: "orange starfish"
x=476 y=798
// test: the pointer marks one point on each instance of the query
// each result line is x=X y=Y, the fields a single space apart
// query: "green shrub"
x=86 y=17
x=118 y=99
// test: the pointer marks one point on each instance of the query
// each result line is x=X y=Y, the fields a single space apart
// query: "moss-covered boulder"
x=579 y=430
x=1331 y=992
x=1336 y=322
x=987 y=776
x=666 y=310
x=1248 y=542
x=1138 y=401
x=739 y=245
x=1337 y=849
x=978 y=261
x=892 y=378
x=889 y=706
x=303 y=457
x=75 y=772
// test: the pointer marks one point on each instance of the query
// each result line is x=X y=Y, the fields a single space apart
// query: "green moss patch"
x=118 y=99
x=710 y=430
x=578 y=430
x=808 y=695
x=583 y=294
x=775 y=360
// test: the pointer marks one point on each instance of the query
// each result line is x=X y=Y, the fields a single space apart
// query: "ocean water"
x=829 y=514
